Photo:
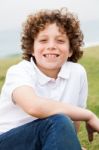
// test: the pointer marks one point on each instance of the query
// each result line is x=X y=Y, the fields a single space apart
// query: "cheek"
x=38 y=48
x=65 y=51
x=65 y=47
x=37 y=53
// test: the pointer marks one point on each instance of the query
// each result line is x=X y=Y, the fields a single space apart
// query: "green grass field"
x=90 y=61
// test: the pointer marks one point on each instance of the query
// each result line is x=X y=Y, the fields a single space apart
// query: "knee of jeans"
x=60 y=119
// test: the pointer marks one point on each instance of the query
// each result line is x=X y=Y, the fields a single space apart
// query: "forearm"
x=45 y=108
x=40 y=107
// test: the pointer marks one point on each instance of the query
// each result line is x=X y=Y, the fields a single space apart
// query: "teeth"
x=51 y=55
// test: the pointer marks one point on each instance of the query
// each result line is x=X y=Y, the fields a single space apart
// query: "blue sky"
x=14 y=12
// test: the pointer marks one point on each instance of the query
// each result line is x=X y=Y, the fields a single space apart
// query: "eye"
x=43 y=40
x=61 y=41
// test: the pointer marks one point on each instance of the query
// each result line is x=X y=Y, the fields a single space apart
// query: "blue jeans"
x=52 y=133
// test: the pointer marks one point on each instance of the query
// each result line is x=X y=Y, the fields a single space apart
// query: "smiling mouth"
x=51 y=55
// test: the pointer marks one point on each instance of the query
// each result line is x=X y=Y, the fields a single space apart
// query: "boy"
x=45 y=91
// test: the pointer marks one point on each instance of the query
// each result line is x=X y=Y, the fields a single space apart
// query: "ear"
x=70 y=54
x=33 y=53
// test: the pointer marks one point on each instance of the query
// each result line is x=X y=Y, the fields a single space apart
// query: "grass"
x=90 y=61
x=4 y=65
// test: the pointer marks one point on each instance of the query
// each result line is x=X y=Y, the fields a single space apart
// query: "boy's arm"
x=40 y=107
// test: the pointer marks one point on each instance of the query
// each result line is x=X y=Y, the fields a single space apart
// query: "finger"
x=90 y=137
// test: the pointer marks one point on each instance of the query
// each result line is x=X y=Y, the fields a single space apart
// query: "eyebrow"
x=58 y=36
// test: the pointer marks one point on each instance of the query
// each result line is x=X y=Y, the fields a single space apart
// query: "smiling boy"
x=44 y=94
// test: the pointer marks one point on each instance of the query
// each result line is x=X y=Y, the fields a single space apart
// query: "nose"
x=51 y=45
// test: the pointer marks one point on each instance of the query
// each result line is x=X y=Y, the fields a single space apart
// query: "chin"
x=53 y=67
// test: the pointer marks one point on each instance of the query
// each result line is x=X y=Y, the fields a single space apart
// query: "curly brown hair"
x=64 y=19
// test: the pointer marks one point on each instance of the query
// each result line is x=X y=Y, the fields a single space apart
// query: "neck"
x=52 y=73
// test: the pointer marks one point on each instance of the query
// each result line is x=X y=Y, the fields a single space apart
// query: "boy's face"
x=51 y=49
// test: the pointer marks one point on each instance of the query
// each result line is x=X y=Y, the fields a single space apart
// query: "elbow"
x=35 y=112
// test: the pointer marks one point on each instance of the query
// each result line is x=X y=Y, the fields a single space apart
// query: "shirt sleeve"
x=15 y=77
x=83 y=94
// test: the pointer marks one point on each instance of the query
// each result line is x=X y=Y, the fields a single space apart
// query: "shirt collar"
x=43 y=79
x=65 y=71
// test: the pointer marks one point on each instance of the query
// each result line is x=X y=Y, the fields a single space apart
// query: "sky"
x=14 y=12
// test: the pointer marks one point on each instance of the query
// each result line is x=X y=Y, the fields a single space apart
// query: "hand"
x=92 y=126
x=90 y=132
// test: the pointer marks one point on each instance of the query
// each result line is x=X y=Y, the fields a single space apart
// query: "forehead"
x=52 y=28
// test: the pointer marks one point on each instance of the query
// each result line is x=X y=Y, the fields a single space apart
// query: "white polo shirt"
x=70 y=87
